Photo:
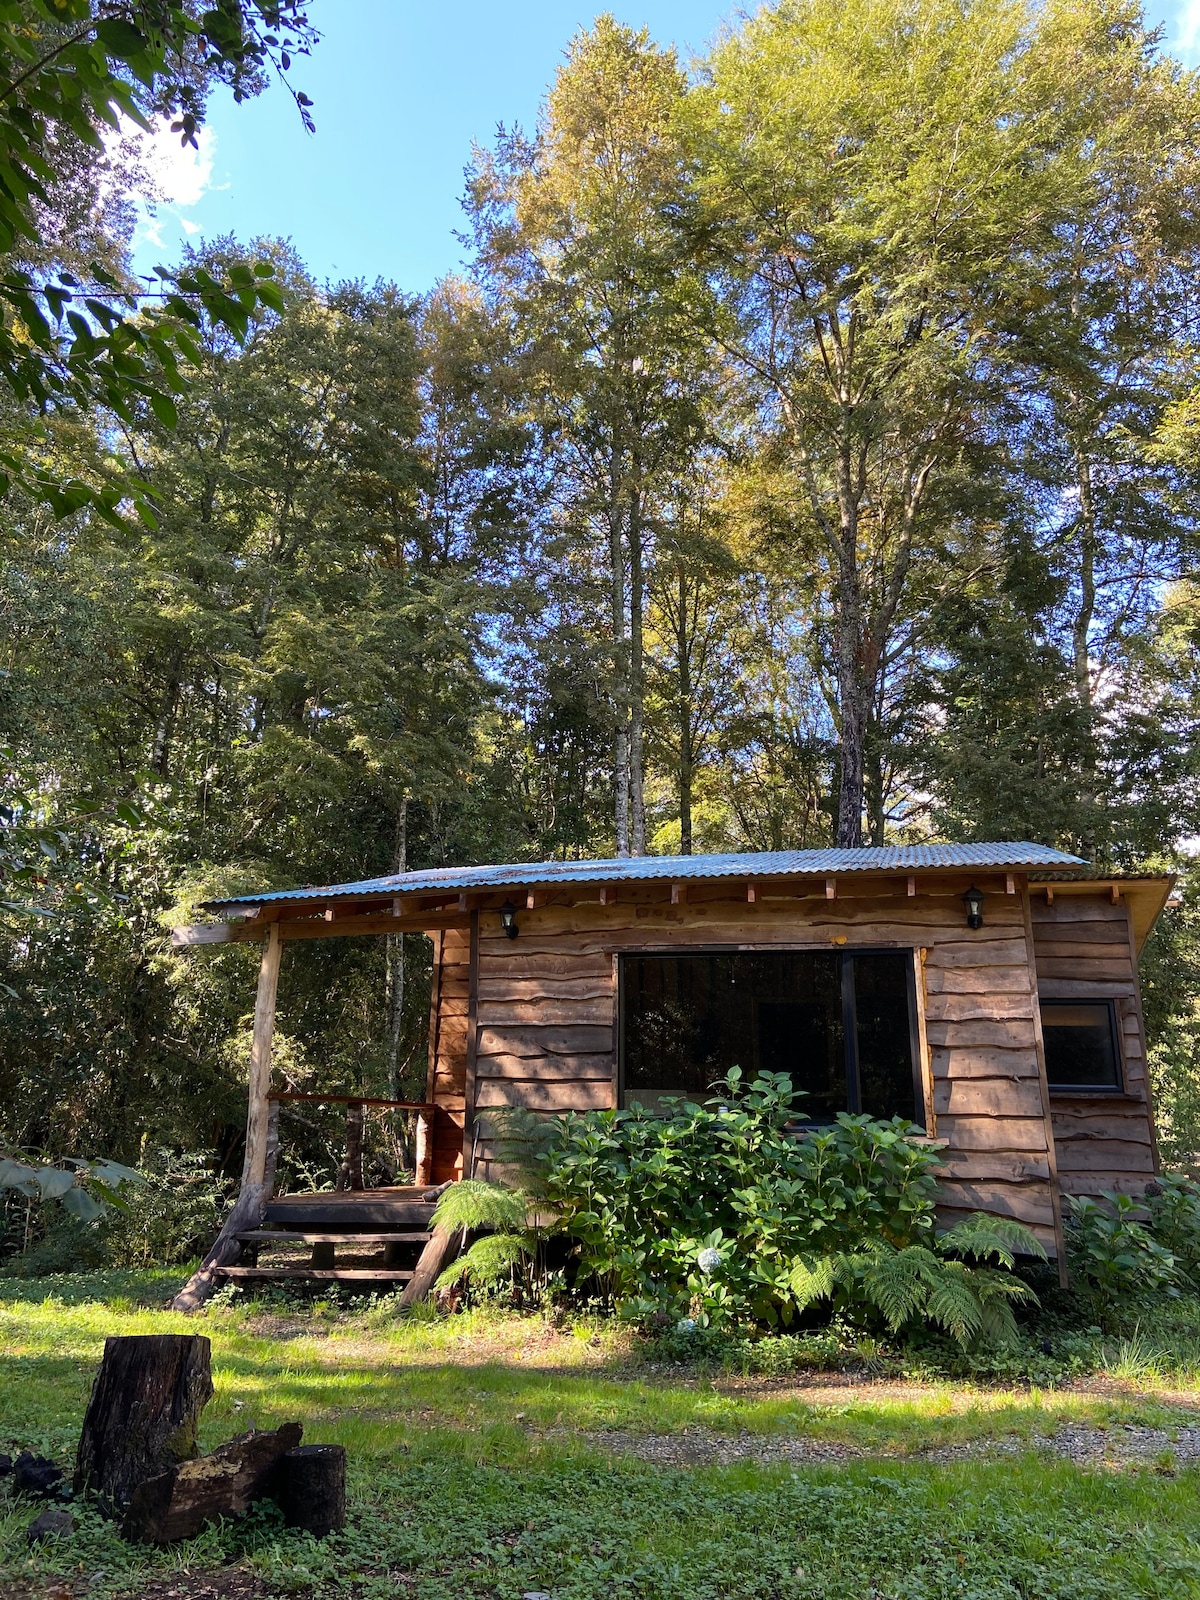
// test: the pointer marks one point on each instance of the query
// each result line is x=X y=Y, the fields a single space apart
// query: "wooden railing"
x=350 y=1174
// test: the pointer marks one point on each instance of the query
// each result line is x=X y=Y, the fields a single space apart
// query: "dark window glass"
x=885 y=1070
x=1081 y=1046
x=689 y=1019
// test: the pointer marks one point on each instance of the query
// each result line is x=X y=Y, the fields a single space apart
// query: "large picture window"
x=839 y=1023
x=1081 y=1046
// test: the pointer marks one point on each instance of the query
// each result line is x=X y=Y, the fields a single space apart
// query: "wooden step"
x=286 y=1236
x=364 y=1208
x=356 y=1274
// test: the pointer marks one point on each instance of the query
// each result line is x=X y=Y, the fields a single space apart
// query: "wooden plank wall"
x=1084 y=950
x=448 y=1051
x=546 y=1013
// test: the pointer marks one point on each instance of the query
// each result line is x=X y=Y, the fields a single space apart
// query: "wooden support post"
x=608 y=894
x=1116 y=894
x=1010 y=883
x=831 y=888
x=258 y=1106
x=678 y=894
x=350 y=1177
x=751 y=894
x=1049 y=895
x=912 y=886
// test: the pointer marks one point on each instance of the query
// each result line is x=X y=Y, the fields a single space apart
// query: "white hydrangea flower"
x=708 y=1260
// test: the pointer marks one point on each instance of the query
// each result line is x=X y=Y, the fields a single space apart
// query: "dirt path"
x=1122 y=1446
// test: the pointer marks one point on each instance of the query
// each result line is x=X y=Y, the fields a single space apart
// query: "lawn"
x=492 y=1455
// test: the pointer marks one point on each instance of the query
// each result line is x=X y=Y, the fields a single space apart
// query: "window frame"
x=845 y=954
x=1091 y=1091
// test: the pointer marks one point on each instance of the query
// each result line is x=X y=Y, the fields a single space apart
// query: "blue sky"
x=401 y=89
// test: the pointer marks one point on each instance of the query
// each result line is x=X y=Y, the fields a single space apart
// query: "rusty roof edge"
x=1020 y=854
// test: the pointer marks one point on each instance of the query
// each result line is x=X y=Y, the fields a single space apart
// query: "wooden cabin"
x=987 y=992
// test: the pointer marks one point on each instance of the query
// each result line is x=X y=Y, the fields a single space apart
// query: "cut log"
x=143 y=1413
x=180 y=1503
x=313 y=1490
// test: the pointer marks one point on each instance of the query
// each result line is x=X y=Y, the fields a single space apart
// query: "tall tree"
x=877 y=186
x=573 y=230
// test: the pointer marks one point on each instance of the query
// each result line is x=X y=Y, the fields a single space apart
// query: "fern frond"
x=953 y=1302
x=812 y=1280
x=474 y=1204
x=521 y=1140
x=985 y=1237
x=898 y=1281
x=487 y=1262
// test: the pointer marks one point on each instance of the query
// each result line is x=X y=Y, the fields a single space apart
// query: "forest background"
x=807 y=455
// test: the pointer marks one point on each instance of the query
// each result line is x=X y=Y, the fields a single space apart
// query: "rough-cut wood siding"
x=448 y=1065
x=546 y=1013
x=1084 y=951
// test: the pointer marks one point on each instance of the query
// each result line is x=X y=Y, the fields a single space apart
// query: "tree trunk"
x=313 y=1490
x=620 y=694
x=637 y=687
x=350 y=1175
x=1081 y=641
x=143 y=1413
x=852 y=703
x=395 y=966
x=178 y=1504
x=684 y=676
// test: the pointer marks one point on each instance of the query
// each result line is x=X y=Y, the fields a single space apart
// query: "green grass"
x=475 y=1469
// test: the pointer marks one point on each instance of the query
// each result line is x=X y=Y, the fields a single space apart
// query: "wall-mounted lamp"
x=508 y=919
x=973 y=900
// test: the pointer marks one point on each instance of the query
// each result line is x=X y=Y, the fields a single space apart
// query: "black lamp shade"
x=973 y=900
x=508 y=919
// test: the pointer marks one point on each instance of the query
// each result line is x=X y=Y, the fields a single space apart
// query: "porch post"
x=258 y=1105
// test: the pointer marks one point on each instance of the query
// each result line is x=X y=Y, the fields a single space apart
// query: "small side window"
x=1081 y=1045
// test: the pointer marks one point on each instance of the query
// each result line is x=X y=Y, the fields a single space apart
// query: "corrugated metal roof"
x=640 y=869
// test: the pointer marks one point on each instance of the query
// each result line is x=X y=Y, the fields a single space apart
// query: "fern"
x=812 y=1280
x=898 y=1282
x=954 y=1303
x=488 y=1262
x=473 y=1204
x=986 y=1237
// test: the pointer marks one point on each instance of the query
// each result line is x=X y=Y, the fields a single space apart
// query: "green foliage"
x=510 y=1234
x=932 y=1284
x=709 y=1209
x=74 y=70
x=1114 y=1251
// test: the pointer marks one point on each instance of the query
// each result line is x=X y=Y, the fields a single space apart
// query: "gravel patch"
x=1125 y=1445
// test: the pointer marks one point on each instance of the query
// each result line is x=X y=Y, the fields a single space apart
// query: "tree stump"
x=179 y=1503
x=143 y=1413
x=313 y=1490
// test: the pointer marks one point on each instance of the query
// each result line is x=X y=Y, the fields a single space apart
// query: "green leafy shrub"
x=173 y=1215
x=720 y=1215
x=1114 y=1253
x=1173 y=1203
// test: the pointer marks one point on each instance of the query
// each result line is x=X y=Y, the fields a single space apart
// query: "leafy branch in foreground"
x=76 y=69
x=84 y=1188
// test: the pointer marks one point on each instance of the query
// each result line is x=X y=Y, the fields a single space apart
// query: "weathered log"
x=178 y=1504
x=143 y=1413
x=313 y=1490
x=433 y=1258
